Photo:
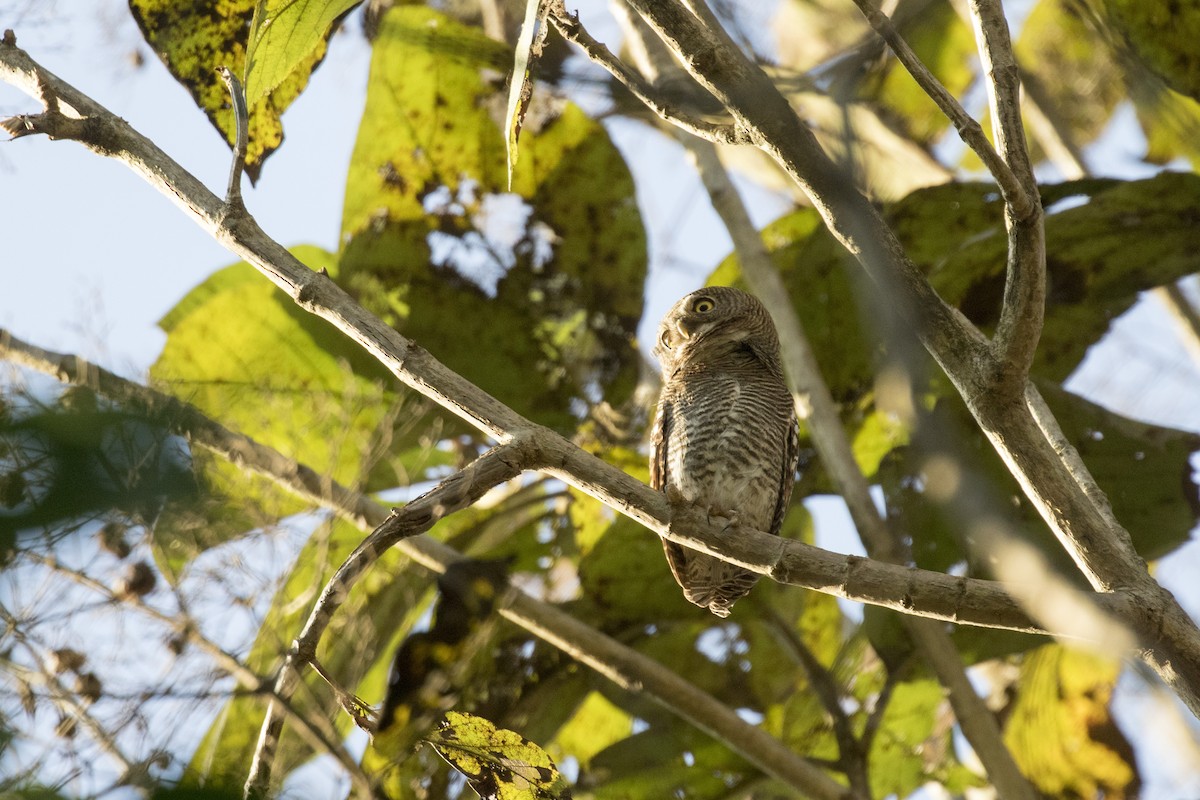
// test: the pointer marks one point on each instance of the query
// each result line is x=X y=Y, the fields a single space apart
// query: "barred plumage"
x=725 y=436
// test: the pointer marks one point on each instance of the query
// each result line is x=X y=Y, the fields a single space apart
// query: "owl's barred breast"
x=728 y=442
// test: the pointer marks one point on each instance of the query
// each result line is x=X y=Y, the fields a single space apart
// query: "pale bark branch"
x=968 y=601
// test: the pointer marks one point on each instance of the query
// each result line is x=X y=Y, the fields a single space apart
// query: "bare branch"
x=968 y=601
x=456 y=492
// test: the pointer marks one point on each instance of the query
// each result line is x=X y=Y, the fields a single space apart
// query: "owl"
x=725 y=436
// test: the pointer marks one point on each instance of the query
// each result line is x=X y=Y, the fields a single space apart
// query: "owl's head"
x=713 y=321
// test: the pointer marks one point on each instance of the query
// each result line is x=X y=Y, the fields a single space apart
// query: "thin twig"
x=1023 y=307
x=317 y=732
x=852 y=756
x=241 y=122
x=568 y=25
x=968 y=128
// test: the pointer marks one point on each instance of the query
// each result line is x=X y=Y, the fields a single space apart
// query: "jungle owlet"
x=725 y=438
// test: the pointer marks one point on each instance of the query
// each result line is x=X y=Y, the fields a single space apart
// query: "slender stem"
x=968 y=128
x=568 y=25
x=1023 y=307
x=241 y=121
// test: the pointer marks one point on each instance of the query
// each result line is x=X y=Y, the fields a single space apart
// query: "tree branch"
x=969 y=130
x=968 y=601
x=611 y=659
x=455 y=493
x=317 y=732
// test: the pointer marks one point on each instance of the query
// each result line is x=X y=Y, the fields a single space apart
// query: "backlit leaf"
x=499 y=764
x=287 y=36
x=532 y=294
x=194 y=38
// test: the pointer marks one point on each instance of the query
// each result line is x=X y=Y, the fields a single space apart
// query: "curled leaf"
x=499 y=764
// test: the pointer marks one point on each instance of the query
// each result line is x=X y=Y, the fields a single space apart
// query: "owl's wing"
x=787 y=476
x=660 y=458
x=659 y=438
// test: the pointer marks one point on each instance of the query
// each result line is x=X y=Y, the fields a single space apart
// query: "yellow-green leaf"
x=194 y=38
x=285 y=35
x=241 y=351
x=1163 y=33
x=1061 y=731
x=533 y=294
x=499 y=764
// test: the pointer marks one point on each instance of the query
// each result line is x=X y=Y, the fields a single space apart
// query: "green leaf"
x=1145 y=470
x=1123 y=238
x=914 y=743
x=1163 y=33
x=1061 y=731
x=544 y=318
x=1068 y=68
x=597 y=724
x=79 y=460
x=1169 y=120
x=499 y=764
x=229 y=503
x=194 y=38
x=286 y=37
x=247 y=356
x=670 y=759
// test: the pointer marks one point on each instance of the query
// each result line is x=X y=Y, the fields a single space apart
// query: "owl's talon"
x=726 y=519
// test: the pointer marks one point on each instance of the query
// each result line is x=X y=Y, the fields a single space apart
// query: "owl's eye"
x=703 y=305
